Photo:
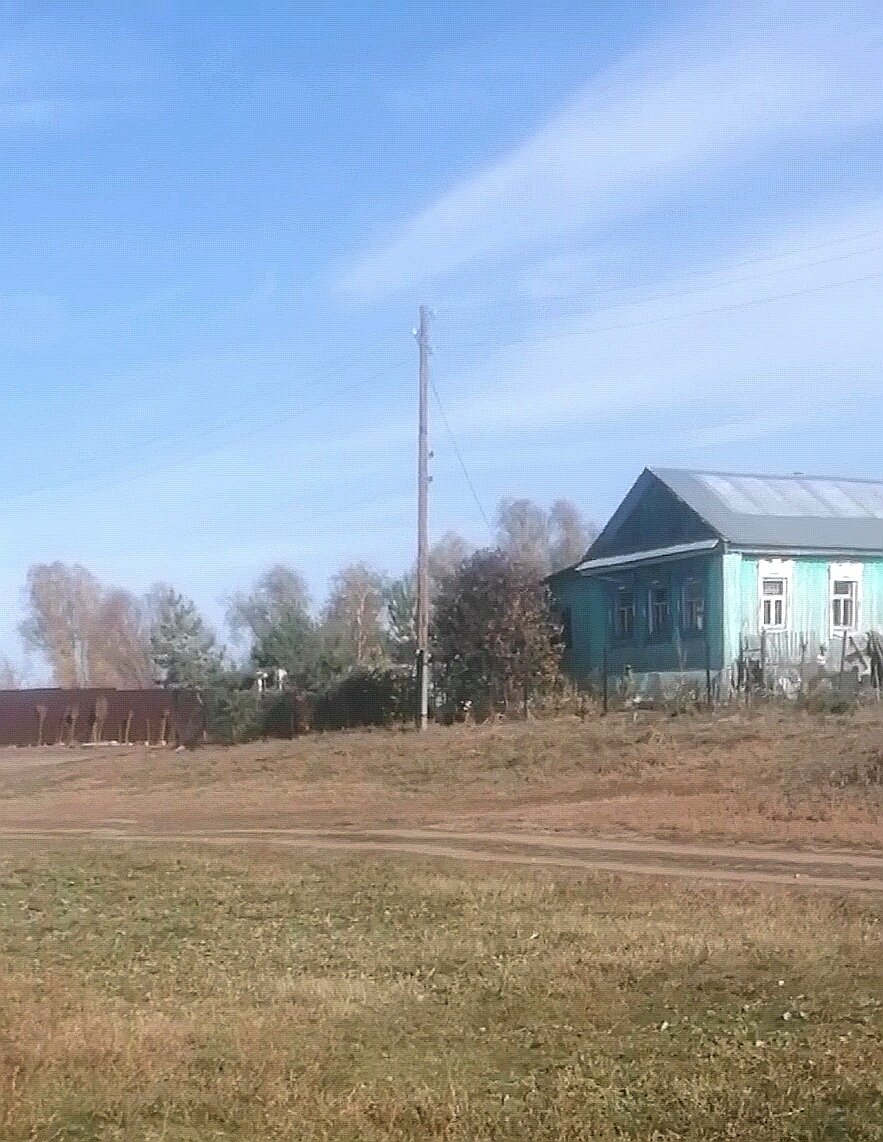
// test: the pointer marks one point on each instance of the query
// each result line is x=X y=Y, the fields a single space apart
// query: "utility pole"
x=422 y=335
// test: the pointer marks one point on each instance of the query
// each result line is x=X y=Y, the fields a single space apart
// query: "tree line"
x=494 y=638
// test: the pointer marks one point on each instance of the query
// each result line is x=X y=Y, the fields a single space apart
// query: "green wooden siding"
x=731 y=589
x=587 y=605
x=871 y=617
x=810 y=597
x=810 y=601
x=731 y=609
x=591 y=600
x=746 y=605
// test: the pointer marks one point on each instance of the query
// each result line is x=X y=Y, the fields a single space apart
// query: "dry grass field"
x=776 y=776
x=225 y=986
x=182 y=994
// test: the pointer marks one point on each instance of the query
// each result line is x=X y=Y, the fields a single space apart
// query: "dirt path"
x=841 y=869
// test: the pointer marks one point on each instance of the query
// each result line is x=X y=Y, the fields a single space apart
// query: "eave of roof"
x=652 y=555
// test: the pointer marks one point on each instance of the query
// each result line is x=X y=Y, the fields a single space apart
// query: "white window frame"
x=782 y=569
x=776 y=602
x=850 y=573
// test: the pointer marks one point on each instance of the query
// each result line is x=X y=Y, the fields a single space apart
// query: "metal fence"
x=790 y=660
x=69 y=717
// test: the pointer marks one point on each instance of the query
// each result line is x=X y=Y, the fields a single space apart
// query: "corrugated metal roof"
x=810 y=512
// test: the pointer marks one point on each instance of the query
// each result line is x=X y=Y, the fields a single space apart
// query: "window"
x=774 y=604
x=624 y=624
x=845 y=592
x=844 y=604
x=775 y=579
x=659 y=610
x=693 y=613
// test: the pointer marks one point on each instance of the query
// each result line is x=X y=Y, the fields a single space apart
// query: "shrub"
x=232 y=716
x=832 y=700
x=374 y=697
x=496 y=642
x=287 y=714
x=865 y=773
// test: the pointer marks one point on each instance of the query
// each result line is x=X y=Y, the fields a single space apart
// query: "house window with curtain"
x=693 y=607
x=658 y=610
x=775 y=580
x=774 y=603
x=844 y=597
x=844 y=605
x=624 y=615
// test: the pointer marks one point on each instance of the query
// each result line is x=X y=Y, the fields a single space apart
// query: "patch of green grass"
x=196 y=994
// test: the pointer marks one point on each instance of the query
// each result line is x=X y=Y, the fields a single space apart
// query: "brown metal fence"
x=53 y=717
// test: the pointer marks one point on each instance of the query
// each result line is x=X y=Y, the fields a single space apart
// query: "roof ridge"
x=659 y=472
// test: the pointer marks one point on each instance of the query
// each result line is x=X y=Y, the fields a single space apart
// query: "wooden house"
x=707 y=574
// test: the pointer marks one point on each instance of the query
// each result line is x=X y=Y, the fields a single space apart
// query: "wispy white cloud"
x=59 y=78
x=634 y=134
x=737 y=365
x=757 y=426
x=61 y=112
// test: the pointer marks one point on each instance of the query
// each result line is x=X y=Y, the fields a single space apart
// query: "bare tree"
x=89 y=635
x=446 y=556
x=12 y=677
x=570 y=534
x=278 y=594
x=61 y=601
x=543 y=541
x=120 y=642
x=355 y=613
x=523 y=533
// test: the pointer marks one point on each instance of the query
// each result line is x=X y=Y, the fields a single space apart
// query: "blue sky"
x=649 y=234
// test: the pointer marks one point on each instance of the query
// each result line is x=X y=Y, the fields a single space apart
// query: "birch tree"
x=354 y=615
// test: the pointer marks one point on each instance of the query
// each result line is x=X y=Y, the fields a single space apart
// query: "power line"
x=668 y=317
x=183 y=461
x=605 y=290
x=712 y=286
x=185 y=435
x=459 y=454
x=299 y=523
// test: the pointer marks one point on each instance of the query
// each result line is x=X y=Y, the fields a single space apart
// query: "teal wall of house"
x=809 y=603
x=652 y=518
x=591 y=602
x=731 y=589
x=585 y=606
x=872 y=618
